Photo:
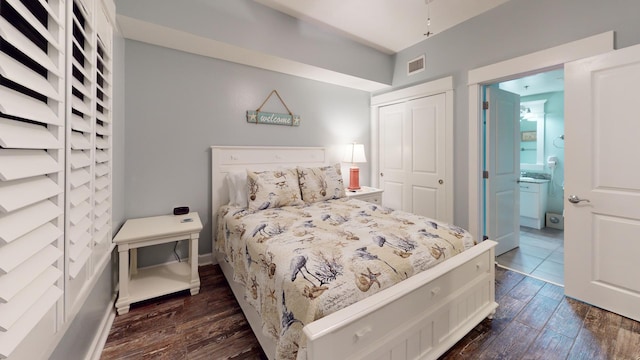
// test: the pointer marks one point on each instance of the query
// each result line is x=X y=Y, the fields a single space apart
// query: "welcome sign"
x=260 y=117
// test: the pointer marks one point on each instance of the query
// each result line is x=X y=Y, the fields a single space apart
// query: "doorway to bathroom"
x=536 y=133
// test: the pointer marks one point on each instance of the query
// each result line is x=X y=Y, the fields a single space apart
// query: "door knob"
x=381 y=174
x=440 y=181
x=574 y=199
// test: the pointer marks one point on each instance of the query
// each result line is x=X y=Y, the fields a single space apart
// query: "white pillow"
x=237 y=184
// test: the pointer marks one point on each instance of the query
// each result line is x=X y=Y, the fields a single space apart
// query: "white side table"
x=366 y=193
x=137 y=285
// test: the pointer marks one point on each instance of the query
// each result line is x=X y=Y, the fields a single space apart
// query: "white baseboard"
x=97 y=345
x=206 y=259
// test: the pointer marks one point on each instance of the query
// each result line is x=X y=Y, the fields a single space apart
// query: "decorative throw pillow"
x=321 y=183
x=272 y=189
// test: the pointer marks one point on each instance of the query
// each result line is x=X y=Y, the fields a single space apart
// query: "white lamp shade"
x=354 y=154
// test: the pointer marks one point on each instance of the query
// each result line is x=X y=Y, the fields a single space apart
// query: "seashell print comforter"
x=300 y=263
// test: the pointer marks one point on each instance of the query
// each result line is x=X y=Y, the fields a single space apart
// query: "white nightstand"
x=137 y=285
x=366 y=193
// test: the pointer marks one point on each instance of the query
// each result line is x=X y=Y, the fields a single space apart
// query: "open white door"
x=602 y=181
x=503 y=165
x=413 y=142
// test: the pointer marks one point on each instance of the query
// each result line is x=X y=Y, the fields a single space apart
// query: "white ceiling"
x=387 y=25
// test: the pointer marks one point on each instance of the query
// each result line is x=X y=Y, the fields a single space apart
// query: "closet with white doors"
x=415 y=148
x=55 y=166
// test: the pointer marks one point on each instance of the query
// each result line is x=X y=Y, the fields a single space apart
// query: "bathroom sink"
x=532 y=180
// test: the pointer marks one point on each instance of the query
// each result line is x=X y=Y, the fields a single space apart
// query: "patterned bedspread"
x=300 y=263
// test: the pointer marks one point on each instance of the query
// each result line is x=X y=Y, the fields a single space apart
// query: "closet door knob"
x=381 y=174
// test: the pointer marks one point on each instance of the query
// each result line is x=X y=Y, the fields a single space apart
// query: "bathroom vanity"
x=533 y=202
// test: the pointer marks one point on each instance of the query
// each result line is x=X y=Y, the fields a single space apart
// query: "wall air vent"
x=415 y=65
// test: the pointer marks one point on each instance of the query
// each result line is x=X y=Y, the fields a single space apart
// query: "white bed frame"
x=419 y=318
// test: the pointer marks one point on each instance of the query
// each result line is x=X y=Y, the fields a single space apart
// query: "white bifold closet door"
x=32 y=142
x=415 y=166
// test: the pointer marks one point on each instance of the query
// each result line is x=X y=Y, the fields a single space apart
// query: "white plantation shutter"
x=55 y=165
x=102 y=182
x=88 y=166
x=32 y=154
x=80 y=139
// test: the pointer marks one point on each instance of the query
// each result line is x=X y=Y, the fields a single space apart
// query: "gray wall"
x=253 y=26
x=179 y=104
x=515 y=28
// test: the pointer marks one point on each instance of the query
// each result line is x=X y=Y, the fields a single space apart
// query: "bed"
x=419 y=317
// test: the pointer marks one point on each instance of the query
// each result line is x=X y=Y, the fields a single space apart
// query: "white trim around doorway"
x=540 y=61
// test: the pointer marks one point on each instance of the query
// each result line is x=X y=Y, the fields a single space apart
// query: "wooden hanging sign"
x=262 y=117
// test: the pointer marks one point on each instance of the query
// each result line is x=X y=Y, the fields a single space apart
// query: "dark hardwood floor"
x=534 y=321
x=209 y=325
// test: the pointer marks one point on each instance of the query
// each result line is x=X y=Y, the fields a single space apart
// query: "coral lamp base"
x=354 y=178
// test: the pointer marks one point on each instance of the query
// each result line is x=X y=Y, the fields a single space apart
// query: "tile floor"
x=541 y=254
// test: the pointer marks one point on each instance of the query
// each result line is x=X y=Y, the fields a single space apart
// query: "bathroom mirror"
x=532 y=135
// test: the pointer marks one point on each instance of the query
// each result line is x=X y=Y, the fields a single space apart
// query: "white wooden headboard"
x=233 y=158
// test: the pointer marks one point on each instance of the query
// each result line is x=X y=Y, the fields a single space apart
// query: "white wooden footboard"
x=420 y=318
